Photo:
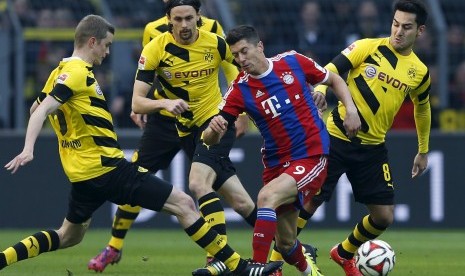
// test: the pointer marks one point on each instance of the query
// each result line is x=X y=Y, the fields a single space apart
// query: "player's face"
x=250 y=57
x=404 y=32
x=102 y=48
x=184 y=20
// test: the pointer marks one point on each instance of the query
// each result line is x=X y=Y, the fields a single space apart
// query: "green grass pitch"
x=171 y=252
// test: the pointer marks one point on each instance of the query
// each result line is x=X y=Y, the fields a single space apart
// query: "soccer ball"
x=375 y=258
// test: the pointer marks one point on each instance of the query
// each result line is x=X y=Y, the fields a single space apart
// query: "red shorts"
x=309 y=174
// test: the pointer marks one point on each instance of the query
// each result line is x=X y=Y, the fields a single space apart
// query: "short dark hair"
x=413 y=6
x=92 y=26
x=175 y=3
x=241 y=32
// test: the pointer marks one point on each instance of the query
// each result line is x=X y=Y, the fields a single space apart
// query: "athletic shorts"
x=308 y=173
x=159 y=143
x=367 y=168
x=216 y=156
x=126 y=184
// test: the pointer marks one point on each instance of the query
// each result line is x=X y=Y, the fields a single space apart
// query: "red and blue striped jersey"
x=280 y=103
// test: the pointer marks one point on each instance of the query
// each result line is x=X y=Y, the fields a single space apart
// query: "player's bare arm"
x=38 y=116
x=215 y=130
x=143 y=105
x=352 y=121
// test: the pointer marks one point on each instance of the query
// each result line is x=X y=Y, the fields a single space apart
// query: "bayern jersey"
x=280 y=103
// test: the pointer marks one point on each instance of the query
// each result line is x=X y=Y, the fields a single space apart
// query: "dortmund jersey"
x=160 y=26
x=379 y=80
x=188 y=72
x=87 y=143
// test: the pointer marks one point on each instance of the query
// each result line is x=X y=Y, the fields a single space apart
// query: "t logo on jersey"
x=271 y=105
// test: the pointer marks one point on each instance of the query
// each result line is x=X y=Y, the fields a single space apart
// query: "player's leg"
x=157 y=147
x=68 y=235
x=82 y=204
x=234 y=193
x=158 y=195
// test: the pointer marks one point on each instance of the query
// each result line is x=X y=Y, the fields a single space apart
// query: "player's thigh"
x=158 y=145
x=150 y=192
x=217 y=158
x=372 y=181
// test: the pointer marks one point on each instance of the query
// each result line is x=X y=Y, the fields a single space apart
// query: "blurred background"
x=36 y=34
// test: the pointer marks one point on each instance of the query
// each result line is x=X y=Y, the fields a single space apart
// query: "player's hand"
x=320 y=100
x=20 y=160
x=139 y=119
x=352 y=123
x=176 y=107
x=420 y=163
x=218 y=124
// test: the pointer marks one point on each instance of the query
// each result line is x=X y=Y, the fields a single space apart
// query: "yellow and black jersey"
x=87 y=141
x=160 y=26
x=379 y=79
x=188 y=72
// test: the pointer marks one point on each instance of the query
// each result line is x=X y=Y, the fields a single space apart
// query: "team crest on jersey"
x=412 y=72
x=61 y=78
x=141 y=63
x=287 y=77
x=208 y=56
x=370 y=72
x=98 y=90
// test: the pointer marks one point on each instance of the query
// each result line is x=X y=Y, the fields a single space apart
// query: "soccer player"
x=275 y=93
x=158 y=146
x=381 y=73
x=95 y=164
x=186 y=61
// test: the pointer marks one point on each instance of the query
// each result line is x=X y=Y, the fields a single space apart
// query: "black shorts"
x=126 y=184
x=216 y=157
x=159 y=143
x=367 y=168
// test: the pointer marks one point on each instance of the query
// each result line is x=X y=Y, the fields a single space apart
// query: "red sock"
x=295 y=257
x=263 y=234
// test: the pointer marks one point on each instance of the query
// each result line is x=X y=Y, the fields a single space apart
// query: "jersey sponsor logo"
x=98 y=90
x=193 y=73
x=287 y=77
x=141 y=63
x=75 y=144
x=396 y=83
x=271 y=105
x=370 y=72
x=61 y=78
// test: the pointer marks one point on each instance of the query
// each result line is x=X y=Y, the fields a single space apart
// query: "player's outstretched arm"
x=48 y=105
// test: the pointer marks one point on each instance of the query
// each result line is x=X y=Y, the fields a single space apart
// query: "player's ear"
x=91 y=42
x=260 y=46
x=421 y=30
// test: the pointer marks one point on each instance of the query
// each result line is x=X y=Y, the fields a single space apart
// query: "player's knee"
x=384 y=217
x=185 y=203
x=243 y=206
x=266 y=197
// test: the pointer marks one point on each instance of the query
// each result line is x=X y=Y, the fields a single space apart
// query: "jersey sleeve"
x=314 y=73
x=422 y=112
x=68 y=82
x=232 y=102
x=148 y=63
